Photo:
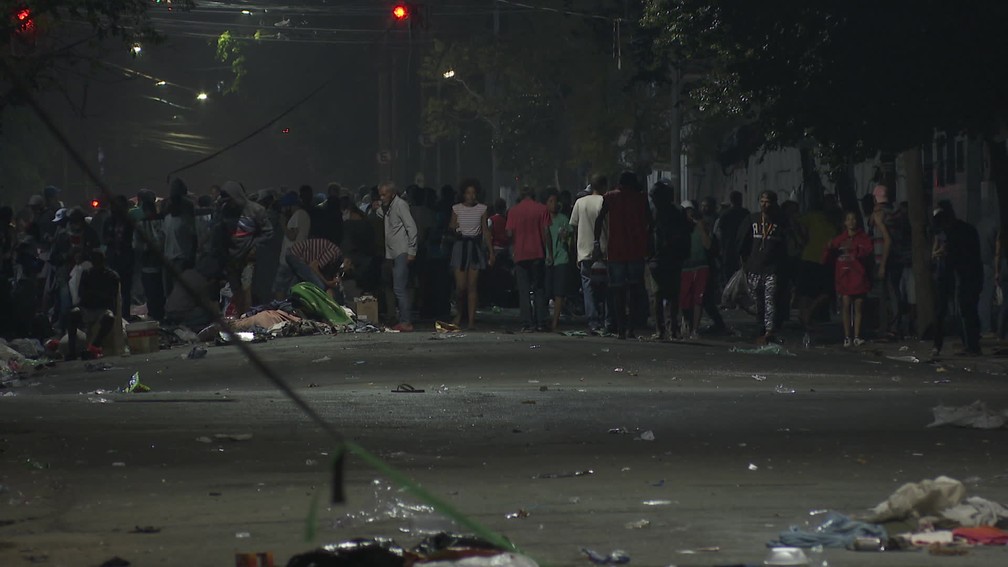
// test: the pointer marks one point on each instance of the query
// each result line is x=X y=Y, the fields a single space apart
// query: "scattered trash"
x=904 y=348
x=759 y=378
x=976 y=415
x=914 y=499
x=774 y=349
x=657 y=502
x=97 y=366
x=406 y=389
x=618 y=431
x=310 y=462
x=836 y=531
x=786 y=556
x=442 y=327
x=753 y=467
x=574 y=334
x=534 y=347
x=519 y=515
x=784 y=389
x=323 y=359
x=313 y=385
x=647 y=436
x=637 y=525
x=119 y=464
x=37 y=465
x=982 y=535
x=713 y=549
x=946 y=550
x=204 y=439
x=232 y=436
x=261 y=559
x=242 y=535
x=867 y=544
x=196 y=353
x=529 y=402
x=134 y=386
x=617 y=557
x=906 y=358
x=587 y=472
x=360 y=362
x=145 y=530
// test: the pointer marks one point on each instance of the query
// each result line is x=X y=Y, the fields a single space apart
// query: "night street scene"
x=503 y=283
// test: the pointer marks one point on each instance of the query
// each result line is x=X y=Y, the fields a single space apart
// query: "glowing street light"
x=136 y=49
x=201 y=96
x=160 y=83
x=449 y=73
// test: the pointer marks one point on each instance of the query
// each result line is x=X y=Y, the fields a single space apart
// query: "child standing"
x=852 y=250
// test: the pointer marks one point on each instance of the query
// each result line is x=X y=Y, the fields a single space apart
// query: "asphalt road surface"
x=503 y=423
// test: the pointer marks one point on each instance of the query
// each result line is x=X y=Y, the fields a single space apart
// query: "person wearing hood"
x=245 y=225
x=179 y=231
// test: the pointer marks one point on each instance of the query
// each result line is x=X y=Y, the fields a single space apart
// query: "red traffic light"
x=401 y=12
x=95 y=203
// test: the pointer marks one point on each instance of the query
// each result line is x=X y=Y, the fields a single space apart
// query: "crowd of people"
x=643 y=260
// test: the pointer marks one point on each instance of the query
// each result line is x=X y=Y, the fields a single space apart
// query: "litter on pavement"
x=836 y=531
x=774 y=349
x=976 y=415
x=617 y=557
x=134 y=386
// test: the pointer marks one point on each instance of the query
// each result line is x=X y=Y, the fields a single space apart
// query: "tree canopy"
x=858 y=77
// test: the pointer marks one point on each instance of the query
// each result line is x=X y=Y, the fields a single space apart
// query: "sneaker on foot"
x=94 y=352
x=847 y=342
x=858 y=341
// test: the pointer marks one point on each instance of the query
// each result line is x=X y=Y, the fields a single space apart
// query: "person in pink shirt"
x=528 y=228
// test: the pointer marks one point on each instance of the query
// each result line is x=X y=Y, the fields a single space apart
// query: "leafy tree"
x=858 y=78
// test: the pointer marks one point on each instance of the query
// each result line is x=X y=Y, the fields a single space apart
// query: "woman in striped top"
x=471 y=250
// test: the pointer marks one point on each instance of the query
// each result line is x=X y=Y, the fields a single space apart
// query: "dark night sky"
x=332 y=137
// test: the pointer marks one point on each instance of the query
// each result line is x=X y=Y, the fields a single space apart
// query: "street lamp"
x=201 y=96
x=449 y=74
x=136 y=49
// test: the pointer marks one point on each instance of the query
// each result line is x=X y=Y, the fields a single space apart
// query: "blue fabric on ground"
x=836 y=531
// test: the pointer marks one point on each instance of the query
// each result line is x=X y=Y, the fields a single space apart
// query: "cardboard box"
x=143 y=337
x=366 y=309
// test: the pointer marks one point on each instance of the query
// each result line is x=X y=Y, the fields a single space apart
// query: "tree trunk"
x=846 y=192
x=920 y=217
x=812 y=195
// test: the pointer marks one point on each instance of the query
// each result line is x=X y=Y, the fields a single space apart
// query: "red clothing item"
x=983 y=535
x=852 y=251
x=498 y=231
x=628 y=225
x=526 y=221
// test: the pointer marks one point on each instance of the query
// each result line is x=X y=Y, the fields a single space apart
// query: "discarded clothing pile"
x=836 y=530
x=441 y=550
x=942 y=515
x=937 y=509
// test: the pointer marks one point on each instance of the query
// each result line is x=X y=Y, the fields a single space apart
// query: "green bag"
x=316 y=304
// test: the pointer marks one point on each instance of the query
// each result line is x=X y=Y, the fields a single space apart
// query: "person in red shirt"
x=528 y=228
x=852 y=250
x=626 y=208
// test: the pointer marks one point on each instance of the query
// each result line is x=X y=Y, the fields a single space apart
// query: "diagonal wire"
x=344 y=446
